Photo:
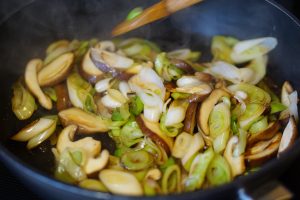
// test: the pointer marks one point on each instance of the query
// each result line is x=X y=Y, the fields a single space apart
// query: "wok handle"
x=272 y=190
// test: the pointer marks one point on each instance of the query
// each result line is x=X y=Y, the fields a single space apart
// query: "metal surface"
x=27 y=33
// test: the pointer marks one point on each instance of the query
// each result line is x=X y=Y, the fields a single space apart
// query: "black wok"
x=28 y=32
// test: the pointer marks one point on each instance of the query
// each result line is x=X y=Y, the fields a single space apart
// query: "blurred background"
x=10 y=188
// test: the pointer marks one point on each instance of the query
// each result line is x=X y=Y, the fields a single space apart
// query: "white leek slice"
x=176 y=112
x=103 y=85
x=249 y=49
x=116 y=61
x=188 y=81
x=121 y=182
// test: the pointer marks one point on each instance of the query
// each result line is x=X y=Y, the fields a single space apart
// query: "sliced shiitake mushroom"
x=266 y=134
x=255 y=158
x=237 y=163
x=181 y=64
x=153 y=131
x=289 y=136
x=88 y=144
x=205 y=77
x=63 y=101
x=56 y=71
x=207 y=106
x=190 y=118
x=87 y=122
x=286 y=90
x=31 y=81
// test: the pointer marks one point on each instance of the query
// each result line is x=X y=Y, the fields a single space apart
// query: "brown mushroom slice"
x=286 y=90
x=190 y=118
x=261 y=145
x=237 y=163
x=87 y=122
x=258 y=159
x=88 y=144
x=289 y=136
x=32 y=83
x=207 y=106
x=88 y=70
x=266 y=134
x=205 y=77
x=153 y=131
x=56 y=71
x=63 y=101
x=183 y=65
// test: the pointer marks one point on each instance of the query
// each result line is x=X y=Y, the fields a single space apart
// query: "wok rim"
x=12 y=161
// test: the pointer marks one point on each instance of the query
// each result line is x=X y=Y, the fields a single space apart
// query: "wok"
x=27 y=33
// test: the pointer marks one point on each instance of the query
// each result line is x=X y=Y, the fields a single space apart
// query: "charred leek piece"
x=198 y=170
x=137 y=160
x=81 y=93
x=23 y=103
x=218 y=172
x=171 y=180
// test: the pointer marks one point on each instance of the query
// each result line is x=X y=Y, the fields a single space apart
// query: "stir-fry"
x=178 y=124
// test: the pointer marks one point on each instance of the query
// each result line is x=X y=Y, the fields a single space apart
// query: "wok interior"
x=28 y=33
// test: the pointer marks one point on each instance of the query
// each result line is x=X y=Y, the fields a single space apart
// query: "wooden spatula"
x=160 y=10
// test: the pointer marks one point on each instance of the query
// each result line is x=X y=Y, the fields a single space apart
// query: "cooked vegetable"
x=236 y=162
x=171 y=181
x=153 y=131
x=288 y=137
x=207 y=106
x=137 y=160
x=87 y=122
x=56 y=71
x=267 y=151
x=177 y=124
x=63 y=100
x=120 y=182
x=250 y=49
x=198 y=170
x=31 y=81
x=221 y=48
x=37 y=132
x=218 y=171
x=80 y=93
x=23 y=103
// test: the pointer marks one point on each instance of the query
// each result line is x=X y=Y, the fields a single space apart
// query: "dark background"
x=10 y=188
